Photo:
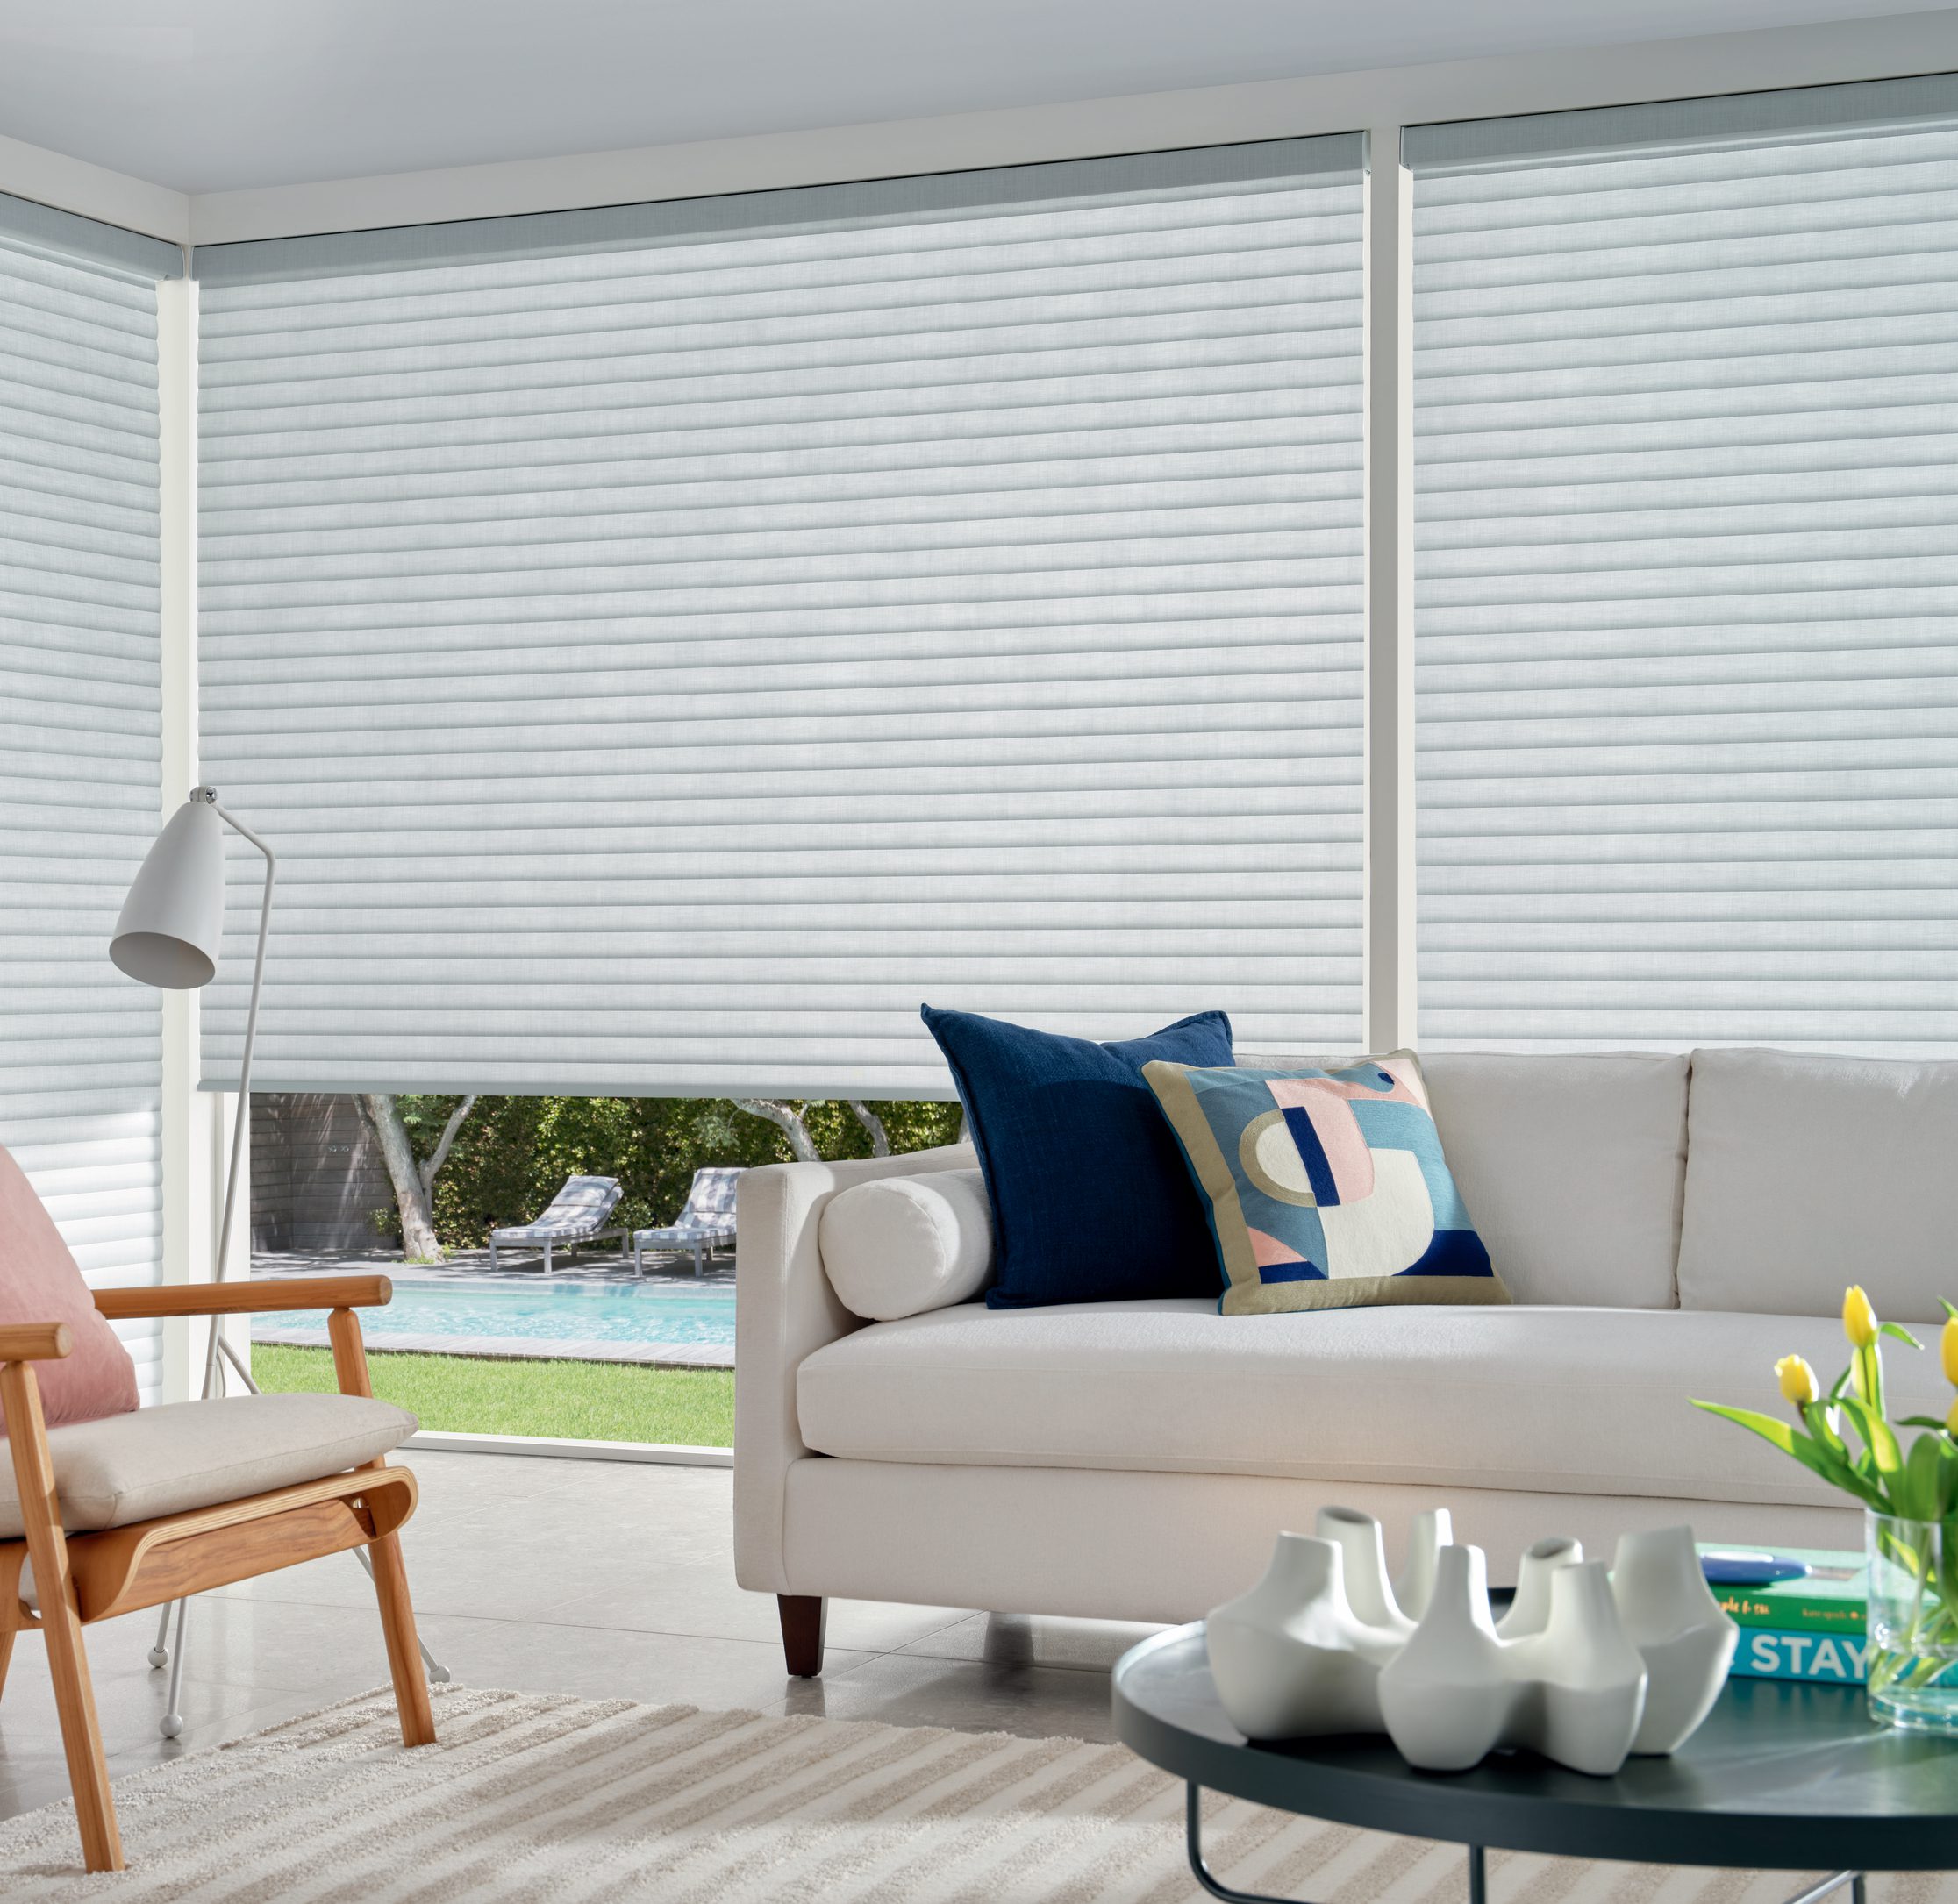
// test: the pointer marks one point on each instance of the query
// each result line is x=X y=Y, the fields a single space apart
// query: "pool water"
x=566 y=1313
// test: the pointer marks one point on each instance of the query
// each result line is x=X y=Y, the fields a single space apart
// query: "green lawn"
x=472 y=1394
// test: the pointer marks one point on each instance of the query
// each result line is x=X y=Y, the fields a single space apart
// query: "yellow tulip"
x=1947 y=1348
x=1796 y=1379
x=1859 y=1320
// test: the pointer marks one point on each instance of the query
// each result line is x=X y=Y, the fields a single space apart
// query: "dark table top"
x=1782 y=1775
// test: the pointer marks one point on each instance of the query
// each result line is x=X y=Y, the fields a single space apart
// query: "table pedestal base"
x=1478 y=1872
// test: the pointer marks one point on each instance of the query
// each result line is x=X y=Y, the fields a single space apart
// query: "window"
x=667 y=644
x=80 y=1074
x=1687 y=572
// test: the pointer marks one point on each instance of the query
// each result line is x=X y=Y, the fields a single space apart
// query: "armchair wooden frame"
x=81 y=1578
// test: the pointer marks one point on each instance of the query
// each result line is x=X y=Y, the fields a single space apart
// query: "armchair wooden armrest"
x=245 y=1298
x=35 y=1342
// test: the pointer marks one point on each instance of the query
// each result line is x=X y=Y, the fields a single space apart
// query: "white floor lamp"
x=168 y=936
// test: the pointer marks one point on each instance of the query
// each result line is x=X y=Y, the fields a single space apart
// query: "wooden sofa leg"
x=60 y=1615
x=804 y=1616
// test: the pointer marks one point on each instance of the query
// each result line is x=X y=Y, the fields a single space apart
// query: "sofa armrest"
x=785 y=1311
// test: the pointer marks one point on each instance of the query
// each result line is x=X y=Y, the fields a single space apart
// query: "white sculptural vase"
x=1585 y=1667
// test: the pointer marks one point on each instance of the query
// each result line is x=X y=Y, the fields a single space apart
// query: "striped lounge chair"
x=707 y=1220
x=577 y=1214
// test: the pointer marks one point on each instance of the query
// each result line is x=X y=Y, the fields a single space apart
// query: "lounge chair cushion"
x=132 y=1467
x=42 y=1282
x=575 y=1215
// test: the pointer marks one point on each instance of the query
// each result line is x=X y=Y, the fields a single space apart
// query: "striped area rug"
x=561 y=1801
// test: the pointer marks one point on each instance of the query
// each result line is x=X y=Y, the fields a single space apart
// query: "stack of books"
x=1808 y=1629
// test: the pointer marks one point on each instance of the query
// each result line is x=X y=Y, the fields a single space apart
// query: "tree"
x=787 y=1119
x=413 y=1178
x=793 y=1123
x=879 y=1138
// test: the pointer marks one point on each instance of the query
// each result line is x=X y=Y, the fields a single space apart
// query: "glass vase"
x=1914 y=1622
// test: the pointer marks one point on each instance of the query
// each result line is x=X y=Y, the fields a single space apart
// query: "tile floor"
x=610 y=1580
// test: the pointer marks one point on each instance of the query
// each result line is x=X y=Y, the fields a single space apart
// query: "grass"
x=473 y=1394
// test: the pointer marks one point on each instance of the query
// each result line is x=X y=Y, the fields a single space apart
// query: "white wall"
x=1345 y=101
x=1396 y=95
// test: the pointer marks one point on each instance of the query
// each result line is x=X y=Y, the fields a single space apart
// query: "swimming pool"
x=618 y=1321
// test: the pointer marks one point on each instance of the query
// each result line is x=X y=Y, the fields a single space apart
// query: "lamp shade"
x=174 y=918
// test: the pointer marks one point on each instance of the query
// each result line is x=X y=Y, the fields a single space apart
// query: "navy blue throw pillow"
x=1091 y=1200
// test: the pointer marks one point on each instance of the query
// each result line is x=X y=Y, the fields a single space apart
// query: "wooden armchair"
x=82 y=1576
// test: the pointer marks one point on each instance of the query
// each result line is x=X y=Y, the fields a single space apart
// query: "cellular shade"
x=667 y=644
x=80 y=1057
x=1686 y=575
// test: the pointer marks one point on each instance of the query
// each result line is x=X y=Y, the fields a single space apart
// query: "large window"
x=1686 y=387
x=80 y=1084
x=666 y=645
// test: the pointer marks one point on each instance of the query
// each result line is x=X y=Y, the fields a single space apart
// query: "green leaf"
x=1915 y=1489
x=1920 y=1421
x=1898 y=1333
x=1869 y=1364
x=1841 y=1383
x=1812 y=1456
x=1817 y=1414
x=1951 y=1308
x=1878 y=1435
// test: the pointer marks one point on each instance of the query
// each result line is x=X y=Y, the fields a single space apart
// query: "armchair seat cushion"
x=131 y=1467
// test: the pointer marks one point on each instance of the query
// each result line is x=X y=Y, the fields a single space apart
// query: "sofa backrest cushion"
x=1807 y=1172
x=1572 y=1165
x=40 y=1282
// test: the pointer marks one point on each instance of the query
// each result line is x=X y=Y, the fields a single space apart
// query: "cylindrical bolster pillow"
x=901 y=1245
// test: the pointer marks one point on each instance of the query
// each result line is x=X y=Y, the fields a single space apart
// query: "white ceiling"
x=210 y=95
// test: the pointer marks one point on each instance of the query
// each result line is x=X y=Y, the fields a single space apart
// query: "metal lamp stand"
x=167 y=1652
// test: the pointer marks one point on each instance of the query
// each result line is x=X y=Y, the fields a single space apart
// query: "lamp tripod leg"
x=172 y=1726
x=159 y=1653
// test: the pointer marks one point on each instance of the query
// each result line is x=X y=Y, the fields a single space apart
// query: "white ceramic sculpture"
x=1529 y=1611
x=1575 y=1692
x=1585 y=1667
x=1292 y=1658
x=1432 y=1532
x=1670 y=1614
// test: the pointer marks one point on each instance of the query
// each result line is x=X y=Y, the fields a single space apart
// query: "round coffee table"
x=1783 y=1776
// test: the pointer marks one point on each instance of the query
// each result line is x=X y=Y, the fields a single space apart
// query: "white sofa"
x=1667 y=1226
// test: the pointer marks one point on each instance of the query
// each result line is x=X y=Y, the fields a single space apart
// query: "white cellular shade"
x=80 y=1053
x=660 y=666
x=1686 y=592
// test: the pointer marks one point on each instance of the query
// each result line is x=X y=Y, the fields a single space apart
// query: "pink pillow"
x=40 y=1282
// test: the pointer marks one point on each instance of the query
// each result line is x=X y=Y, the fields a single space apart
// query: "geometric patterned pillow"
x=1326 y=1188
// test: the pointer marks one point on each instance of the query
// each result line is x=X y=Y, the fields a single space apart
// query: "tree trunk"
x=431 y=1165
x=787 y=1121
x=418 y=1241
x=880 y=1139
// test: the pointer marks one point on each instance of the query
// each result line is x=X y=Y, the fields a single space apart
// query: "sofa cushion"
x=199 y=1454
x=899 y=1245
x=1090 y=1197
x=1326 y=1188
x=1573 y=1165
x=1807 y=1173
x=1552 y=1399
x=40 y=1282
